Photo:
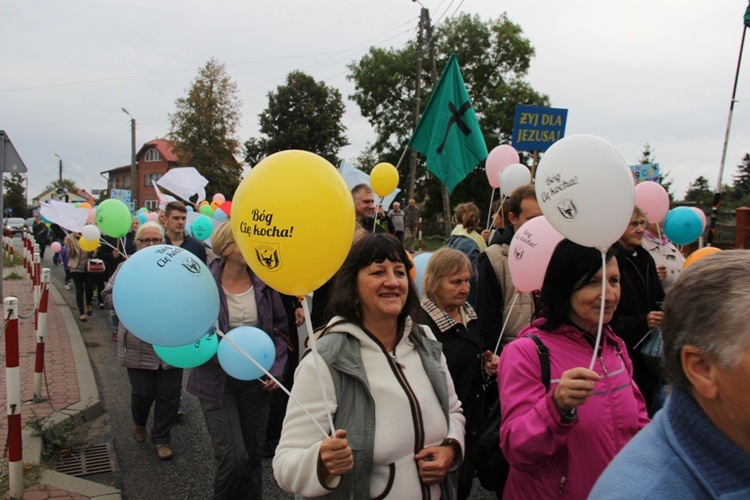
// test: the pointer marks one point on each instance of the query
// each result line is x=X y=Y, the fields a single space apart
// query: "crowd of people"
x=408 y=382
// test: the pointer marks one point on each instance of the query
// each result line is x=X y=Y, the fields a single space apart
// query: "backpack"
x=492 y=467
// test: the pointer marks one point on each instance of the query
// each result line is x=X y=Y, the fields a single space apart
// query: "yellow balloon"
x=293 y=220
x=84 y=205
x=88 y=245
x=215 y=205
x=384 y=179
x=698 y=255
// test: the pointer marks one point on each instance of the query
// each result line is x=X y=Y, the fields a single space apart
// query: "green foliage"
x=55 y=438
x=15 y=195
x=301 y=114
x=204 y=129
x=66 y=184
x=700 y=193
x=741 y=184
x=647 y=156
x=494 y=58
x=12 y=276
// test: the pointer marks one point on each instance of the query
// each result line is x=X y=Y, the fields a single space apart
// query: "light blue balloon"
x=191 y=355
x=256 y=343
x=219 y=215
x=420 y=264
x=166 y=296
x=142 y=217
x=202 y=228
x=682 y=225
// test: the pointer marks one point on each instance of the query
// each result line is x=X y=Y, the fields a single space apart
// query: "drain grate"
x=86 y=461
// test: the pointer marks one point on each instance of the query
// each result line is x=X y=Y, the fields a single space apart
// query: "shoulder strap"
x=543 y=352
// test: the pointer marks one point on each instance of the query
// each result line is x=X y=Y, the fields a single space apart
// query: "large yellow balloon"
x=698 y=255
x=293 y=220
x=384 y=179
x=88 y=245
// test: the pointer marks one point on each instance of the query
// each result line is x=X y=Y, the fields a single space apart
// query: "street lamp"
x=60 y=191
x=133 y=168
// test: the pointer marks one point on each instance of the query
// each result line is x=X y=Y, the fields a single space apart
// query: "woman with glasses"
x=639 y=311
x=153 y=382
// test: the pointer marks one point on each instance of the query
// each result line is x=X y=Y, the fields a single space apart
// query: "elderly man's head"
x=706 y=330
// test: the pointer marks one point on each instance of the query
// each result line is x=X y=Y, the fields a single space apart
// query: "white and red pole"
x=13 y=388
x=36 y=276
x=41 y=331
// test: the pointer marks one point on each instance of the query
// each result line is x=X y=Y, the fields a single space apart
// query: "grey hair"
x=149 y=225
x=708 y=307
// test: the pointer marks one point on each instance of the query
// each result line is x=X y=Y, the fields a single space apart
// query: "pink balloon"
x=55 y=246
x=530 y=251
x=653 y=199
x=499 y=158
x=702 y=215
x=91 y=219
x=153 y=216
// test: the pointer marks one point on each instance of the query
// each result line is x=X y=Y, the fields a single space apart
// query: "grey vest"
x=356 y=409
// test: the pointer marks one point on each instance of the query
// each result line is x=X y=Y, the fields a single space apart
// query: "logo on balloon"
x=567 y=208
x=191 y=265
x=268 y=255
x=518 y=254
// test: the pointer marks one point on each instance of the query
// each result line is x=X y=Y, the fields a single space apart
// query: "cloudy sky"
x=630 y=72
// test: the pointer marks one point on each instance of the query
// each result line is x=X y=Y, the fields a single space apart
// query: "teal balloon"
x=191 y=355
x=166 y=296
x=113 y=218
x=142 y=218
x=682 y=225
x=256 y=343
x=202 y=228
x=420 y=264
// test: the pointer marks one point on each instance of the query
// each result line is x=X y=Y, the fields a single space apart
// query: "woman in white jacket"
x=400 y=430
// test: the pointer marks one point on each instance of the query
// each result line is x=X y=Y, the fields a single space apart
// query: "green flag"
x=747 y=16
x=448 y=132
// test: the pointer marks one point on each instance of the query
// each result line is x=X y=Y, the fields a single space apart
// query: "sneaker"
x=67 y=286
x=139 y=433
x=163 y=451
x=180 y=411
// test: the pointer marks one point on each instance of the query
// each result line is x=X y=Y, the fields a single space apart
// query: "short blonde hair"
x=442 y=263
x=222 y=240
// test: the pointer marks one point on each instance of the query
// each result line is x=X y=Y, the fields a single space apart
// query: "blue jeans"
x=237 y=427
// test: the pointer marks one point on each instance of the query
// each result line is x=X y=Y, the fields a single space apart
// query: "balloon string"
x=601 y=309
x=505 y=323
x=281 y=386
x=489 y=212
x=316 y=363
x=122 y=243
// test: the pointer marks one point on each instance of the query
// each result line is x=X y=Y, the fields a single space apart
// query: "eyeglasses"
x=635 y=223
x=151 y=241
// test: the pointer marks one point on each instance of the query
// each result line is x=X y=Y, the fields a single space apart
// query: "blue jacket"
x=192 y=245
x=681 y=454
x=207 y=381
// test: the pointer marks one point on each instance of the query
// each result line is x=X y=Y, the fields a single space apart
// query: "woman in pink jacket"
x=559 y=441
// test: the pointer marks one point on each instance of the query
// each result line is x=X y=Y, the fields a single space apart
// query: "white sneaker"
x=67 y=286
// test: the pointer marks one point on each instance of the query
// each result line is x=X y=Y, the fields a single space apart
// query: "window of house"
x=150 y=177
x=152 y=204
x=126 y=182
x=153 y=155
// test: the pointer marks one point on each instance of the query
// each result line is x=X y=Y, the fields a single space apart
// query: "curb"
x=88 y=408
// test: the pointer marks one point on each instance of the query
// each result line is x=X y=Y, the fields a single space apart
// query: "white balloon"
x=585 y=189
x=514 y=176
x=91 y=232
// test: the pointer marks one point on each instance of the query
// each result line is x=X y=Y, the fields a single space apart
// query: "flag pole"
x=717 y=194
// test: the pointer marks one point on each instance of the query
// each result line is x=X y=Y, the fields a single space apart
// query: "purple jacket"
x=207 y=381
x=550 y=458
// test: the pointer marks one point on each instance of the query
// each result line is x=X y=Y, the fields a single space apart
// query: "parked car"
x=29 y=224
x=14 y=225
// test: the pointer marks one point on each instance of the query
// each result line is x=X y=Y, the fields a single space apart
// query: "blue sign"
x=645 y=172
x=536 y=128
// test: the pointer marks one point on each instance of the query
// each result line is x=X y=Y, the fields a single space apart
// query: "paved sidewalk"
x=69 y=391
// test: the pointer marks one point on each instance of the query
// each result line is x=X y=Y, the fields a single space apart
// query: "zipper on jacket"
x=562 y=485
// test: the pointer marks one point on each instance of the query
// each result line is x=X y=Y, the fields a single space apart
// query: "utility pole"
x=411 y=185
x=60 y=169
x=133 y=166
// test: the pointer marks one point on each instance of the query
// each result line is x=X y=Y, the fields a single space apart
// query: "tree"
x=700 y=193
x=66 y=184
x=302 y=114
x=494 y=59
x=203 y=129
x=741 y=183
x=14 y=196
